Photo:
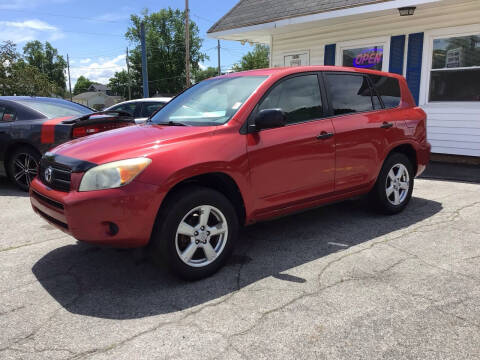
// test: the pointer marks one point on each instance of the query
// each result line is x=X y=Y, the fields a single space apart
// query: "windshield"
x=210 y=102
x=56 y=108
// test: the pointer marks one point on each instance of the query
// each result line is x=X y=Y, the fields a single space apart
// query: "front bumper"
x=88 y=216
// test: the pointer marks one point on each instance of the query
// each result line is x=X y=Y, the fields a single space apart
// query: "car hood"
x=128 y=142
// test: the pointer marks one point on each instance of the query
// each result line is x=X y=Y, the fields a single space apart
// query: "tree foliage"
x=18 y=77
x=255 y=59
x=118 y=84
x=165 y=41
x=46 y=59
x=81 y=85
x=205 y=74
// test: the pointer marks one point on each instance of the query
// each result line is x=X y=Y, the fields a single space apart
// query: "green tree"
x=47 y=60
x=17 y=77
x=118 y=84
x=205 y=74
x=81 y=85
x=255 y=59
x=165 y=40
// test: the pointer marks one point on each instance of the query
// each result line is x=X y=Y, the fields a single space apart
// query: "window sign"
x=364 y=58
x=455 y=74
x=296 y=59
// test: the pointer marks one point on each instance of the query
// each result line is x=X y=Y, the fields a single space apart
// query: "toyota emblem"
x=48 y=174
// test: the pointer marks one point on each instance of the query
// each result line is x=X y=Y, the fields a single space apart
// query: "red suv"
x=234 y=150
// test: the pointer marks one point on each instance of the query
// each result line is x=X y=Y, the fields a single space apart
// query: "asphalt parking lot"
x=339 y=282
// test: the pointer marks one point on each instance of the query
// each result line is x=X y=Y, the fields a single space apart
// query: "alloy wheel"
x=201 y=236
x=397 y=184
x=25 y=169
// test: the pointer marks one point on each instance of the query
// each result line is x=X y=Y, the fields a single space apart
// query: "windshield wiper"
x=173 y=123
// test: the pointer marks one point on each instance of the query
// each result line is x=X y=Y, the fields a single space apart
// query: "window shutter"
x=329 y=56
x=397 y=50
x=414 y=64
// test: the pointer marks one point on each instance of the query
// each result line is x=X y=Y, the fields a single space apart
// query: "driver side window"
x=298 y=97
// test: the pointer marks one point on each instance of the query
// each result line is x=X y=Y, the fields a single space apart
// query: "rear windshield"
x=388 y=89
x=55 y=108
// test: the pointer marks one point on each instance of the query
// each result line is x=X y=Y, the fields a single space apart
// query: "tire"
x=390 y=194
x=182 y=236
x=22 y=166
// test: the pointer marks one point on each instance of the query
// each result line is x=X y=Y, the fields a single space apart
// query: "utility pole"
x=128 y=74
x=69 y=80
x=218 y=48
x=187 y=44
x=144 y=61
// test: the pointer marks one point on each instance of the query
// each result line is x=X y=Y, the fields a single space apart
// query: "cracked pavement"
x=338 y=282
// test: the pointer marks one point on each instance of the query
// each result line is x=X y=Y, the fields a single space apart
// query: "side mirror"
x=269 y=119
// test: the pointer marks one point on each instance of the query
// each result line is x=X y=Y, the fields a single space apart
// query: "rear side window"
x=349 y=93
x=7 y=114
x=388 y=89
x=150 y=107
x=299 y=97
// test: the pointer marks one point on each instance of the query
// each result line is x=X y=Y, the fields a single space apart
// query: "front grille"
x=60 y=175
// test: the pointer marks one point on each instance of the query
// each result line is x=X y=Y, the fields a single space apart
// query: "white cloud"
x=113 y=17
x=85 y=61
x=21 y=31
x=202 y=66
x=121 y=14
x=100 y=70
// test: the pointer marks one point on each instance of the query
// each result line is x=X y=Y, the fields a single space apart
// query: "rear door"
x=295 y=162
x=7 y=117
x=362 y=131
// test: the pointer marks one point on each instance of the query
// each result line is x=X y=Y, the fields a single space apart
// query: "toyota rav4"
x=234 y=150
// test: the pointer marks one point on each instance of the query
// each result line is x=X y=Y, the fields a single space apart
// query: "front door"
x=295 y=162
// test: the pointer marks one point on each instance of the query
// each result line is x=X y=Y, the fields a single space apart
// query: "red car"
x=234 y=150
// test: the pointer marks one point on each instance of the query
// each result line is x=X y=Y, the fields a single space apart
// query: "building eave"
x=264 y=29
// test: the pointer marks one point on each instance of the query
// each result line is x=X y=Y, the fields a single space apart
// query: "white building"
x=437 y=49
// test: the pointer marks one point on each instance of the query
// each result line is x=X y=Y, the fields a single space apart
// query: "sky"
x=92 y=32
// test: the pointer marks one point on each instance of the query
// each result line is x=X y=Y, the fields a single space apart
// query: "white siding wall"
x=452 y=128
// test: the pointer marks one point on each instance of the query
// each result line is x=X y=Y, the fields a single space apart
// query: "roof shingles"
x=254 y=12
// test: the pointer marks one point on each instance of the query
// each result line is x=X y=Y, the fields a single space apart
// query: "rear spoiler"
x=101 y=117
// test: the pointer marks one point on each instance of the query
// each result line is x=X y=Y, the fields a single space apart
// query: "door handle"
x=324 y=135
x=386 y=125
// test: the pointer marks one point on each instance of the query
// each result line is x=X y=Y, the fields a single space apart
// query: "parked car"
x=29 y=126
x=141 y=109
x=234 y=150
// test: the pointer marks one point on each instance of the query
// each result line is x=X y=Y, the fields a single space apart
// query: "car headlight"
x=113 y=175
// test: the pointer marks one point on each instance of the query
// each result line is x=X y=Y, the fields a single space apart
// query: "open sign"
x=368 y=58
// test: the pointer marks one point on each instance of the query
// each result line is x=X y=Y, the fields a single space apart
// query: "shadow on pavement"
x=8 y=189
x=108 y=283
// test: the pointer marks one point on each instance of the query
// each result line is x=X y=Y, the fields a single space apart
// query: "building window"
x=370 y=57
x=455 y=74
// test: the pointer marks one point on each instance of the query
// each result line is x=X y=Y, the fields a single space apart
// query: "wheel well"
x=409 y=151
x=11 y=149
x=220 y=182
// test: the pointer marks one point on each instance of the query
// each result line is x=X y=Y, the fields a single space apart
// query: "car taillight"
x=82 y=131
